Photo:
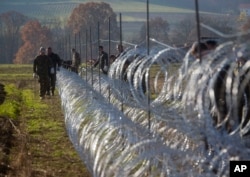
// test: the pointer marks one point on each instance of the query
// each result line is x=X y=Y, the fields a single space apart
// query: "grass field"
x=33 y=138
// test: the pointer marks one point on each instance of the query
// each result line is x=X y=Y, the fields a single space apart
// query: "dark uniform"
x=76 y=61
x=120 y=50
x=102 y=60
x=41 y=67
x=56 y=63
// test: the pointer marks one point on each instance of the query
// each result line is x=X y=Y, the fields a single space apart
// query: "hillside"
x=61 y=8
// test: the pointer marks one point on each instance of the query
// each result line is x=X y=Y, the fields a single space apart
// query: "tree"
x=158 y=29
x=186 y=31
x=88 y=15
x=10 y=24
x=222 y=23
x=34 y=35
x=180 y=34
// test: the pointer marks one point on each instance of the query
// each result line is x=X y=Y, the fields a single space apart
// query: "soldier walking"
x=102 y=60
x=41 y=66
x=56 y=63
x=76 y=60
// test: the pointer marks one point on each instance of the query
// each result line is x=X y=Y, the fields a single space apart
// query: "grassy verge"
x=39 y=145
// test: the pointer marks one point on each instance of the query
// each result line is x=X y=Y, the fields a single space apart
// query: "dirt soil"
x=46 y=151
x=6 y=141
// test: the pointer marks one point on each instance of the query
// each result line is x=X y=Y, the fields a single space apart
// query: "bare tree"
x=180 y=33
x=10 y=24
x=158 y=29
x=186 y=30
x=57 y=29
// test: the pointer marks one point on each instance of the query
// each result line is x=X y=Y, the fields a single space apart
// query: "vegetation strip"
x=35 y=142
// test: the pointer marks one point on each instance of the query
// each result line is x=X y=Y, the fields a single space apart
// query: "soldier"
x=199 y=46
x=76 y=60
x=41 y=66
x=119 y=48
x=102 y=60
x=56 y=63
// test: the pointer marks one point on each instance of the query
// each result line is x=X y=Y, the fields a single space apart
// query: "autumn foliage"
x=33 y=35
x=88 y=15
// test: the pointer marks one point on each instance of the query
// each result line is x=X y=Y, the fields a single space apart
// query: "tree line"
x=21 y=36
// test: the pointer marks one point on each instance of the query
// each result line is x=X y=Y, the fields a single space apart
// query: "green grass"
x=11 y=106
x=10 y=71
x=36 y=108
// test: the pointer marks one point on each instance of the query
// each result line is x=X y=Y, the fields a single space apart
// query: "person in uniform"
x=102 y=60
x=41 y=66
x=76 y=61
x=56 y=63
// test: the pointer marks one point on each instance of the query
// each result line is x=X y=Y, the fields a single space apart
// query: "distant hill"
x=59 y=7
x=40 y=9
x=45 y=9
x=132 y=10
x=216 y=6
x=204 y=4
